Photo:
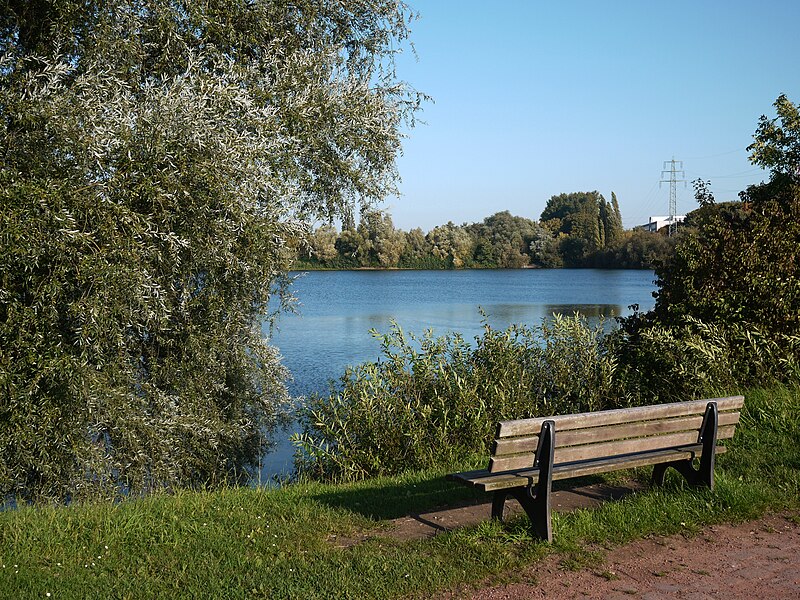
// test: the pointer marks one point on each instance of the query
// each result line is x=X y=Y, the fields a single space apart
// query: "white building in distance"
x=657 y=223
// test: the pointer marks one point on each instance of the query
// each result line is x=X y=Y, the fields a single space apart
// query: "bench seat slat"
x=656 y=442
x=604 y=449
x=511 y=461
x=506 y=446
x=640 y=429
x=616 y=417
x=606 y=465
x=527 y=443
x=592 y=451
x=489 y=482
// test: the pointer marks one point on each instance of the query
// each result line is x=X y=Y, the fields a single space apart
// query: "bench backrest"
x=610 y=433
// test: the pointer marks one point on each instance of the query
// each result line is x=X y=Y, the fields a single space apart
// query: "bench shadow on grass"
x=379 y=500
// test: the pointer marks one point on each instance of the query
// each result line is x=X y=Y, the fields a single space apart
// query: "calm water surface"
x=338 y=309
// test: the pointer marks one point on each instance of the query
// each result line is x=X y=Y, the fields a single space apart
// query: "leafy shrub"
x=658 y=363
x=634 y=249
x=736 y=263
x=435 y=400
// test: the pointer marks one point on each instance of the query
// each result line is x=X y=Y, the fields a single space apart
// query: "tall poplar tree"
x=612 y=224
x=617 y=213
x=581 y=217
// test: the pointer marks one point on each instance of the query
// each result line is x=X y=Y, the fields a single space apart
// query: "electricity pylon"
x=673 y=193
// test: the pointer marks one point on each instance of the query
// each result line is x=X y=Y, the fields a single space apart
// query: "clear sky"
x=532 y=99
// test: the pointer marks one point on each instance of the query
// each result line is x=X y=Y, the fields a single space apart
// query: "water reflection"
x=591 y=311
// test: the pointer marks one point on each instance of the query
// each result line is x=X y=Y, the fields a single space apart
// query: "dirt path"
x=760 y=559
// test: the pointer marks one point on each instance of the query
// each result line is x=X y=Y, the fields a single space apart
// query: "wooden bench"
x=529 y=454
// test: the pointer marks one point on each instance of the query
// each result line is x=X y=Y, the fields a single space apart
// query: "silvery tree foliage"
x=158 y=162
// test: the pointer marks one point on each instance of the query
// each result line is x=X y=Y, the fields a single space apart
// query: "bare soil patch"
x=758 y=559
x=730 y=561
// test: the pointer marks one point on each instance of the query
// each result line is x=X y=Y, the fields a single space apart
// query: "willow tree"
x=158 y=160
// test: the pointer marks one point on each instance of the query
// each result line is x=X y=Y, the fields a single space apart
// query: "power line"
x=739 y=175
x=737 y=150
x=644 y=208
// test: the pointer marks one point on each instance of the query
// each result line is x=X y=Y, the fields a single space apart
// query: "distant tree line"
x=581 y=229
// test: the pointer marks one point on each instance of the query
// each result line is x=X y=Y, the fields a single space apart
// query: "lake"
x=337 y=309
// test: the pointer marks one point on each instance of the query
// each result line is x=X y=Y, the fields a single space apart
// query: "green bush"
x=158 y=161
x=435 y=400
x=727 y=311
x=736 y=264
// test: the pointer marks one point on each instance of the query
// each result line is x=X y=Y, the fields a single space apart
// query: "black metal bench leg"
x=704 y=475
x=540 y=520
x=708 y=436
x=659 y=471
x=536 y=506
x=499 y=504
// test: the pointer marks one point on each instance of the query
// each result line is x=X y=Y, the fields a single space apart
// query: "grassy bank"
x=254 y=543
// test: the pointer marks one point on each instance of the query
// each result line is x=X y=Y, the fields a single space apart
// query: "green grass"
x=258 y=543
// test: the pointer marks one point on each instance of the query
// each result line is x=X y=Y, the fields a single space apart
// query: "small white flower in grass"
x=47 y=594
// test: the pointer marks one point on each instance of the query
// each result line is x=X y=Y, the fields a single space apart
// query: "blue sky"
x=533 y=99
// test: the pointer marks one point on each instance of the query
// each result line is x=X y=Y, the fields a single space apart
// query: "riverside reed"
x=313 y=540
x=434 y=401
